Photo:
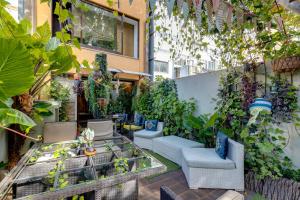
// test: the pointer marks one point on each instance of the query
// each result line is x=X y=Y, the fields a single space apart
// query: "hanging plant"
x=98 y=87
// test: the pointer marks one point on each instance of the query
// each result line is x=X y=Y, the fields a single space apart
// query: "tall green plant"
x=97 y=87
x=160 y=101
x=60 y=93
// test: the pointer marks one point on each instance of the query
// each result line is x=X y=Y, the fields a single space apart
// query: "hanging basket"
x=287 y=64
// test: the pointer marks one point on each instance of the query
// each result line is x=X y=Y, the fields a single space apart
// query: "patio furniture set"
x=112 y=173
x=203 y=167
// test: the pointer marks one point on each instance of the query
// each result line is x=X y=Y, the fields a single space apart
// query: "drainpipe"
x=151 y=46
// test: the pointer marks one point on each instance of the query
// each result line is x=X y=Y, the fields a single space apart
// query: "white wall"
x=204 y=87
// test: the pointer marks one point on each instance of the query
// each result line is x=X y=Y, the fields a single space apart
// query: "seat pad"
x=170 y=147
x=147 y=134
x=205 y=158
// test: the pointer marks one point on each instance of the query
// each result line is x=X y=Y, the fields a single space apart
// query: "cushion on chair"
x=138 y=119
x=151 y=125
x=147 y=134
x=222 y=145
x=132 y=127
x=170 y=147
x=205 y=158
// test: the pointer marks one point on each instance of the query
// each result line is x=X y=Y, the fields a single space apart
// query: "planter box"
x=273 y=189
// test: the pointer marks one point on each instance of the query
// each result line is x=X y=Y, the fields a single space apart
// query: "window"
x=21 y=9
x=99 y=28
x=160 y=66
x=211 y=65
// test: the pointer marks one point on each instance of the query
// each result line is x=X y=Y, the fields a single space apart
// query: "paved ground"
x=149 y=189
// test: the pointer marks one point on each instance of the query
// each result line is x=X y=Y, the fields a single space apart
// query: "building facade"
x=99 y=30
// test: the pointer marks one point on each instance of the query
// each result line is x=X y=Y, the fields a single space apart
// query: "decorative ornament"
x=240 y=17
x=170 y=7
x=229 y=16
x=152 y=4
x=179 y=4
x=209 y=12
x=216 y=4
x=198 y=10
x=220 y=17
x=185 y=10
x=279 y=21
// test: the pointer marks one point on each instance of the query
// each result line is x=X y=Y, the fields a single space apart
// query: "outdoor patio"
x=149 y=100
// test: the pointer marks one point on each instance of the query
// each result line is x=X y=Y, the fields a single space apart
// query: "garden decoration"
x=262 y=104
x=87 y=137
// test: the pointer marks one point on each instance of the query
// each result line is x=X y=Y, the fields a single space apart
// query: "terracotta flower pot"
x=90 y=151
x=286 y=64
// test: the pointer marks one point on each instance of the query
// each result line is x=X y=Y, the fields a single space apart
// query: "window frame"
x=130 y=20
x=167 y=72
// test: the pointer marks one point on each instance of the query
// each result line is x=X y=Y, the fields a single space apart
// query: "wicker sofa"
x=171 y=146
x=144 y=138
x=203 y=168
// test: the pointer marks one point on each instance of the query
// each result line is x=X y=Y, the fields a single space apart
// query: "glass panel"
x=97 y=28
x=100 y=28
x=160 y=66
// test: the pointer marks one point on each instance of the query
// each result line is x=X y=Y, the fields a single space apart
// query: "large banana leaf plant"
x=28 y=62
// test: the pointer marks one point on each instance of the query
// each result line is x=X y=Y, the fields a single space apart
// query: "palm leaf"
x=16 y=69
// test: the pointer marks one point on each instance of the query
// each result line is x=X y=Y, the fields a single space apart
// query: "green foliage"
x=258 y=36
x=62 y=182
x=202 y=128
x=60 y=93
x=159 y=101
x=2 y=165
x=121 y=165
x=232 y=117
x=16 y=71
x=98 y=86
x=123 y=102
x=264 y=144
x=284 y=100
x=10 y=116
x=258 y=197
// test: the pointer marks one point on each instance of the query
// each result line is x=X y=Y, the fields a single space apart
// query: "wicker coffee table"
x=42 y=174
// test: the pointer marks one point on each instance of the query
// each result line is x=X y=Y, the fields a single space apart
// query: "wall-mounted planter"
x=273 y=189
x=286 y=64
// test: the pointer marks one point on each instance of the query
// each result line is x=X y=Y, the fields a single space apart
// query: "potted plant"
x=87 y=137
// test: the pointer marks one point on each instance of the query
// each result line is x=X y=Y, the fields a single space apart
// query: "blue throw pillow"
x=151 y=125
x=222 y=145
x=138 y=120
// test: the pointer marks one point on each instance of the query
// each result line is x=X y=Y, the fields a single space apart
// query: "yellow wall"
x=137 y=10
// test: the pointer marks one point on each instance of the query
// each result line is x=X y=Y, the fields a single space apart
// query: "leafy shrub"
x=160 y=101
x=60 y=93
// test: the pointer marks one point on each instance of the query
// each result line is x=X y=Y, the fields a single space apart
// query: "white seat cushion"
x=147 y=134
x=205 y=158
x=170 y=147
